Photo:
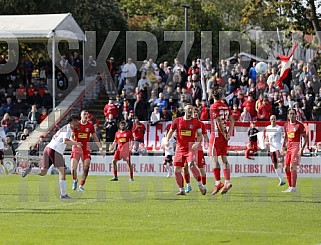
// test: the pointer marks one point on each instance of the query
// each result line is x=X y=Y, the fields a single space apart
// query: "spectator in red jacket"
x=250 y=106
x=111 y=108
x=236 y=113
x=205 y=116
x=138 y=131
x=265 y=111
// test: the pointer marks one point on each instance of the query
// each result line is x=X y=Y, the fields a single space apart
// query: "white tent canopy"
x=40 y=27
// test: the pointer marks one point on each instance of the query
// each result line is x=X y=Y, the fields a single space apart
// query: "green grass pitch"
x=147 y=211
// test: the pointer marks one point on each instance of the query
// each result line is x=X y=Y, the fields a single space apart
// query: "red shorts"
x=78 y=153
x=122 y=154
x=51 y=157
x=200 y=159
x=217 y=146
x=180 y=158
x=292 y=157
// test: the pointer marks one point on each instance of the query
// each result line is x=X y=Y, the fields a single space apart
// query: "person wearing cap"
x=53 y=154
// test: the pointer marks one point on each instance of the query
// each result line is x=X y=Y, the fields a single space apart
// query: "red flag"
x=286 y=66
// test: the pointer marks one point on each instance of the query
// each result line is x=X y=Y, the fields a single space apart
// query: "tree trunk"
x=314 y=19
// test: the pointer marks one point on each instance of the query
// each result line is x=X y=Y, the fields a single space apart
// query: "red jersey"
x=204 y=113
x=236 y=115
x=186 y=131
x=111 y=109
x=219 y=109
x=294 y=132
x=138 y=131
x=123 y=139
x=82 y=134
x=250 y=106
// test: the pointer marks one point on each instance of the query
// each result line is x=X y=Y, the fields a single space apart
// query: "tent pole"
x=53 y=71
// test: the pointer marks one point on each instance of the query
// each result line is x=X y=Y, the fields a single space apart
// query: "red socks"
x=217 y=173
x=115 y=173
x=179 y=179
x=227 y=174
x=294 y=176
x=196 y=173
x=82 y=182
x=289 y=178
x=187 y=178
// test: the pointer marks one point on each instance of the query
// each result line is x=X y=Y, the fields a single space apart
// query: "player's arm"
x=219 y=124
x=231 y=127
x=199 y=138
x=284 y=143
x=112 y=147
x=97 y=142
x=68 y=141
x=305 y=140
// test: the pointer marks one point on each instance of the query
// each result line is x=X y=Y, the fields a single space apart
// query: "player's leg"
x=178 y=165
x=115 y=160
x=278 y=171
x=62 y=182
x=130 y=167
x=46 y=162
x=216 y=170
x=195 y=171
x=227 y=174
x=74 y=160
x=59 y=163
x=187 y=178
x=86 y=166
x=201 y=165
x=170 y=163
x=288 y=173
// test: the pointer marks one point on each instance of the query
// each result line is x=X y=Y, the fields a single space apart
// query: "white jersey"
x=169 y=151
x=57 y=141
x=274 y=135
x=2 y=138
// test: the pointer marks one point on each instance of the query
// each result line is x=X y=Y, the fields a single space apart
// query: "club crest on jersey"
x=87 y=130
x=190 y=126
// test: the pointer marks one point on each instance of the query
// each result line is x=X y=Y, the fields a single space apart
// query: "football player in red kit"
x=186 y=128
x=220 y=114
x=124 y=140
x=82 y=134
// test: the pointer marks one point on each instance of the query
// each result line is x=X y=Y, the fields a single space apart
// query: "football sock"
x=179 y=179
x=187 y=178
x=204 y=180
x=289 y=179
x=62 y=184
x=227 y=174
x=278 y=172
x=217 y=174
x=167 y=167
x=115 y=173
x=294 y=176
x=217 y=182
x=4 y=169
x=131 y=174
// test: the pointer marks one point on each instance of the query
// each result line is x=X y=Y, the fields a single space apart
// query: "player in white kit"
x=274 y=135
x=53 y=154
